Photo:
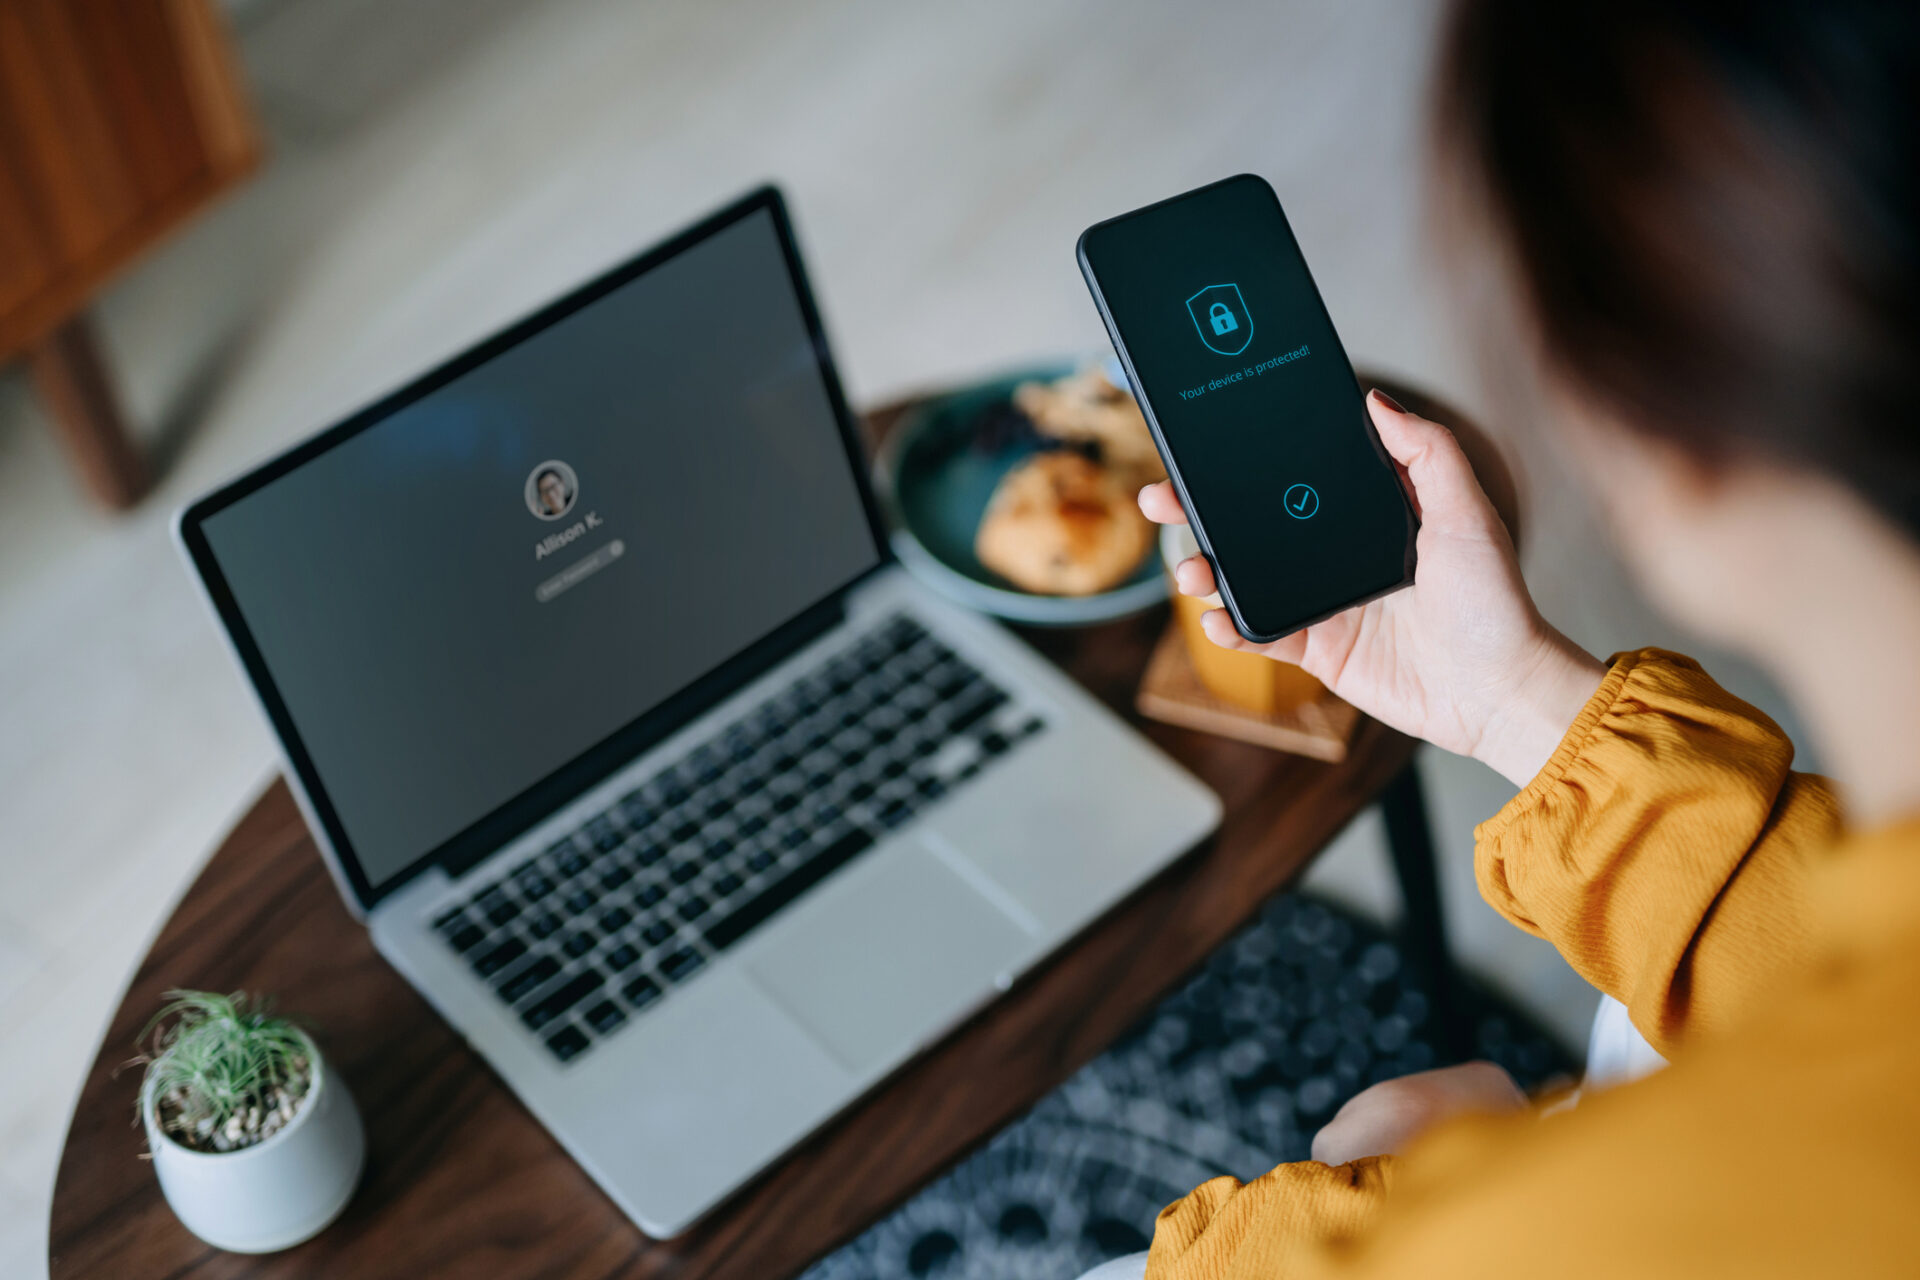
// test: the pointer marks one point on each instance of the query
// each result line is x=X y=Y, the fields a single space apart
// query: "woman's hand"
x=1384 y=1119
x=1461 y=658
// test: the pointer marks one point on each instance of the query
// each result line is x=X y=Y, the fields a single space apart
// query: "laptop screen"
x=459 y=599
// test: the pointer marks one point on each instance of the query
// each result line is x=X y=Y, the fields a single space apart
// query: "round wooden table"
x=462 y=1181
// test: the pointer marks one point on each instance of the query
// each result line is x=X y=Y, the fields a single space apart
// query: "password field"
x=579 y=571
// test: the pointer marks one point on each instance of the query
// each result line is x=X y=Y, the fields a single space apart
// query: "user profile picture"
x=551 y=489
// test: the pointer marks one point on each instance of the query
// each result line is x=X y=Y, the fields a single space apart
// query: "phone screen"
x=1256 y=410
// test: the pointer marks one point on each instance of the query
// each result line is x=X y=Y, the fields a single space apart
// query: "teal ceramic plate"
x=934 y=483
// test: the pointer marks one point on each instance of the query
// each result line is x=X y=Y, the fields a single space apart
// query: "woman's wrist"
x=1555 y=683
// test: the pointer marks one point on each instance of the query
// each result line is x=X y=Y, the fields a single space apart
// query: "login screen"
x=1209 y=300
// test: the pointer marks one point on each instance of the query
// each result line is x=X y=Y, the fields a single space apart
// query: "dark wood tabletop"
x=461 y=1180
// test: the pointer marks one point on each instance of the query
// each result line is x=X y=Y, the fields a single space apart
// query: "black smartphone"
x=1257 y=414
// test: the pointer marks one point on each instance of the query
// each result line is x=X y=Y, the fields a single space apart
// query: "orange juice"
x=1247 y=680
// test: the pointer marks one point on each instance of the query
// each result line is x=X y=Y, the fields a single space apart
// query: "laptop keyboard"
x=635 y=902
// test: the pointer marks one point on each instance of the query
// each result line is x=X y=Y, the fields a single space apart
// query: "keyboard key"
x=634 y=810
x=726 y=884
x=562 y=998
x=621 y=958
x=493 y=960
x=896 y=812
x=760 y=860
x=535 y=887
x=614 y=919
x=577 y=944
x=648 y=894
x=580 y=901
x=568 y=1043
x=994 y=742
x=749 y=915
x=648 y=853
x=527 y=979
x=466 y=938
x=641 y=992
x=657 y=932
x=975 y=713
x=543 y=925
x=681 y=964
x=503 y=911
x=447 y=921
x=605 y=1016
x=693 y=908
x=681 y=872
x=573 y=863
x=615 y=876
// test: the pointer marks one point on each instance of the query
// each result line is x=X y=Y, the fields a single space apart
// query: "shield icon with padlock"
x=1221 y=316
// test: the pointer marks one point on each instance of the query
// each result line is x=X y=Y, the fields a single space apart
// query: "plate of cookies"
x=1017 y=497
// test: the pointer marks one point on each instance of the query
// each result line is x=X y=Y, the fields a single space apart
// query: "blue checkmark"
x=1302 y=501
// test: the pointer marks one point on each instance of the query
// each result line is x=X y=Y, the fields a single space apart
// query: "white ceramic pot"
x=277 y=1193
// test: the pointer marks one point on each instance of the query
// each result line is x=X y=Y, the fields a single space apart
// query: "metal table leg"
x=1410 y=841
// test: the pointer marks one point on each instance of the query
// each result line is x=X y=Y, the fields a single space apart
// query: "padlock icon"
x=1221 y=319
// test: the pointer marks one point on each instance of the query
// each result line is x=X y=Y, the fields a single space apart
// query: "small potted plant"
x=256 y=1144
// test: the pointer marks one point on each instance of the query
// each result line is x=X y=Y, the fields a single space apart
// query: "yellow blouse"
x=1677 y=862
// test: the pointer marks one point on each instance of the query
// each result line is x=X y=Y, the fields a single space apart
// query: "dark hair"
x=549 y=471
x=1713 y=215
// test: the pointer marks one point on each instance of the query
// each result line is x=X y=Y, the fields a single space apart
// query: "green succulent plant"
x=226 y=1073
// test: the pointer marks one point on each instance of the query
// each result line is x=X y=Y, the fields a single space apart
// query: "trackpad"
x=905 y=951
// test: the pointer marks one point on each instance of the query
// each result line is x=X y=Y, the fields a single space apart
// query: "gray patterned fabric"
x=1233 y=1073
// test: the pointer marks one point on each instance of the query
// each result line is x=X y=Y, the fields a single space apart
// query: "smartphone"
x=1257 y=414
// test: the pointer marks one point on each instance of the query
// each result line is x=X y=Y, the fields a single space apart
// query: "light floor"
x=443 y=165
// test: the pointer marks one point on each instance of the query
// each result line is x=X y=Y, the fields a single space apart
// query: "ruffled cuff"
x=1580 y=735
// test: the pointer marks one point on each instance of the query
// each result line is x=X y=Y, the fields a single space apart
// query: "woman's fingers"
x=1159 y=505
x=1219 y=629
x=1383 y=1119
x=1194 y=577
x=1446 y=492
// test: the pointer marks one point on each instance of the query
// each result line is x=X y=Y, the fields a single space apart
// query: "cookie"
x=1061 y=524
x=1085 y=408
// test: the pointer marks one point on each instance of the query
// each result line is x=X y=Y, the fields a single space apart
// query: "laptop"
x=638 y=754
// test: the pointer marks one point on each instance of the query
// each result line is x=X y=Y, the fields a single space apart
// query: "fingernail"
x=1387 y=400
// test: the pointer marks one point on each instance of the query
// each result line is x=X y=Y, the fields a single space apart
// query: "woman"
x=1711 y=218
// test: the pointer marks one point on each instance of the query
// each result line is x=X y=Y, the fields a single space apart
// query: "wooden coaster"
x=1171 y=691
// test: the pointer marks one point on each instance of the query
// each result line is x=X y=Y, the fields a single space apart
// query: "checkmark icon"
x=1301 y=501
